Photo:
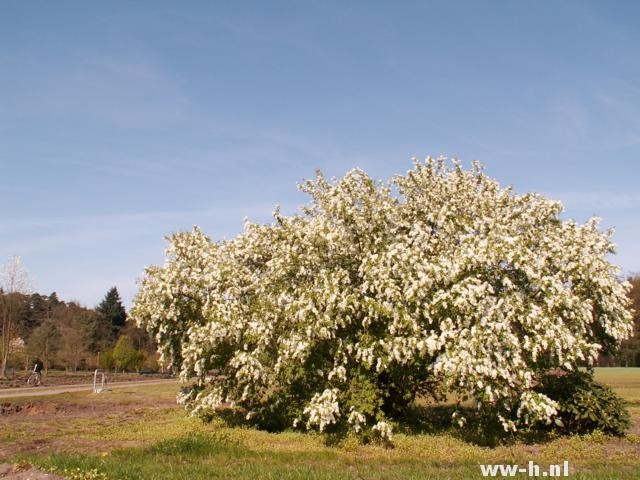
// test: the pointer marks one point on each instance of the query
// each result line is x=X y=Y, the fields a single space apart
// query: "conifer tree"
x=112 y=310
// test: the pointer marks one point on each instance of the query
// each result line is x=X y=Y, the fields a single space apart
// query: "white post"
x=99 y=388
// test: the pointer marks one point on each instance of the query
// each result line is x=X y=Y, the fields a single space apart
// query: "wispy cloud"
x=52 y=232
x=603 y=113
x=128 y=93
x=619 y=100
x=597 y=201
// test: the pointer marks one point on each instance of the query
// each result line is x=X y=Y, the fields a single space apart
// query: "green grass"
x=624 y=381
x=169 y=445
x=223 y=454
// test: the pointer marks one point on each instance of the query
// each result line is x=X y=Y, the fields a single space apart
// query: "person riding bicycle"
x=37 y=369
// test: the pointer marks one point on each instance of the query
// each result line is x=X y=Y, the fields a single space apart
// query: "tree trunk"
x=3 y=368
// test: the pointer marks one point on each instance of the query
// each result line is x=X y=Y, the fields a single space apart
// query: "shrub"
x=338 y=317
x=106 y=360
x=585 y=405
x=125 y=356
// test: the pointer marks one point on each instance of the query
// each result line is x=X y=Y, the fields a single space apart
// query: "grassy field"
x=141 y=434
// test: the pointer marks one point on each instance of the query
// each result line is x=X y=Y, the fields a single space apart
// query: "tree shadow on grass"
x=232 y=417
x=481 y=429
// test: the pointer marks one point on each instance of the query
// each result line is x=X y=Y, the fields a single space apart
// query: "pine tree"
x=39 y=310
x=112 y=310
x=54 y=301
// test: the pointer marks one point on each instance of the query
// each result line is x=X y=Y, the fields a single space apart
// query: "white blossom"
x=357 y=420
x=323 y=409
x=384 y=430
x=440 y=279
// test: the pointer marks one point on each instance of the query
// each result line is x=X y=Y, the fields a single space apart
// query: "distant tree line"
x=629 y=353
x=66 y=335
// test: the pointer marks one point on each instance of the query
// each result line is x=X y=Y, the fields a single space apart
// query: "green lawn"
x=141 y=440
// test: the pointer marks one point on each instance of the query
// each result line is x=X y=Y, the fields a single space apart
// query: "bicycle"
x=35 y=379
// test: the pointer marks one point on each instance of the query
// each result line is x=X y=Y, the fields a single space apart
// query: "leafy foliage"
x=125 y=356
x=585 y=405
x=437 y=282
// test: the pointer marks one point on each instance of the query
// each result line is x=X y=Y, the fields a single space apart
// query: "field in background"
x=139 y=433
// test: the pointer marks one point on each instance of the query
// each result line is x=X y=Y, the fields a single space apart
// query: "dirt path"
x=43 y=391
x=24 y=472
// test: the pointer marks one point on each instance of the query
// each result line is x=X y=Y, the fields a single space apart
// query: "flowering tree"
x=336 y=318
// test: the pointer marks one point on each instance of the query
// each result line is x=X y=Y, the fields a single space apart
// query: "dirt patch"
x=25 y=472
x=46 y=426
x=31 y=409
x=28 y=409
x=7 y=408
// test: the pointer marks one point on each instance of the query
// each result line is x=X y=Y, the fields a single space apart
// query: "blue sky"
x=121 y=121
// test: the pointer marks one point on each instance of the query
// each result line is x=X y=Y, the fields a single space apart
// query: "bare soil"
x=24 y=472
x=45 y=426
x=30 y=409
